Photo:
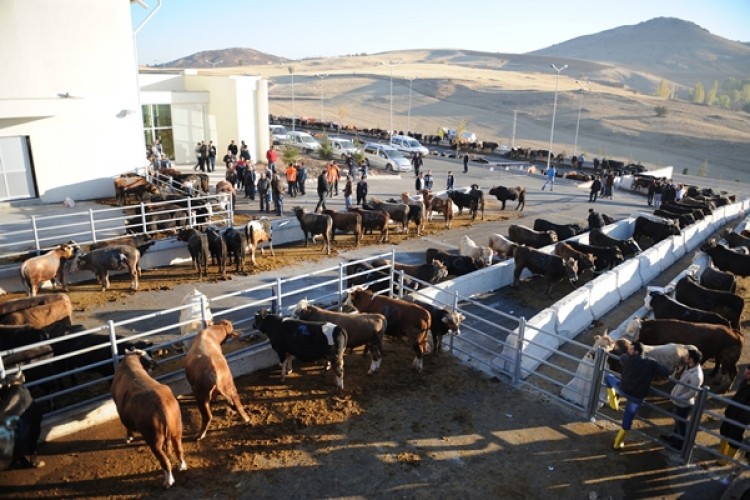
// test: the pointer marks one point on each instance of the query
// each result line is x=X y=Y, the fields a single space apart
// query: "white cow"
x=502 y=246
x=468 y=248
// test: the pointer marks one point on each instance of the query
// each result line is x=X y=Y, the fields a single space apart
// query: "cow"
x=141 y=241
x=434 y=203
x=468 y=248
x=456 y=265
x=37 y=312
x=313 y=224
x=674 y=357
x=678 y=208
x=257 y=232
x=655 y=231
x=502 y=246
x=718 y=280
x=522 y=235
x=604 y=257
x=17 y=402
x=504 y=194
x=442 y=322
x=431 y=272
x=148 y=407
x=665 y=307
x=208 y=372
x=363 y=329
x=715 y=341
x=304 y=340
x=628 y=247
x=736 y=240
x=218 y=249
x=586 y=261
x=563 y=231
x=404 y=319
x=373 y=220
x=135 y=186
x=726 y=259
x=197 y=244
x=236 y=247
x=682 y=220
x=103 y=260
x=398 y=212
x=726 y=304
x=473 y=200
x=48 y=267
x=552 y=267
x=346 y=222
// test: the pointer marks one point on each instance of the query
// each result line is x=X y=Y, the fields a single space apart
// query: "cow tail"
x=25 y=278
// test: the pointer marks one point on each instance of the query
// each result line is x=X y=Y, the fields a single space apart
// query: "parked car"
x=386 y=157
x=278 y=134
x=408 y=145
x=303 y=141
x=341 y=146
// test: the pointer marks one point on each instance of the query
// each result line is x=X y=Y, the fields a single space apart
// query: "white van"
x=387 y=157
x=408 y=145
x=303 y=141
x=278 y=134
x=342 y=146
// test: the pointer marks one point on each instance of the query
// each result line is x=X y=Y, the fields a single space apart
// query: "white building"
x=70 y=102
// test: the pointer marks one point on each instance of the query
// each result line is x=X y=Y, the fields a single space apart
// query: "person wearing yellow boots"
x=637 y=373
x=731 y=433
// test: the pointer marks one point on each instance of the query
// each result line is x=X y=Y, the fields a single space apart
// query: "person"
x=596 y=186
x=245 y=152
x=363 y=168
x=683 y=397
x=322 y=190
x=350 y=164
x=228 y=162
x=428 y=180
x=277 y=188
x=291 y=180
x=348 y=192
x=580 y=161
x=651 y=192
x=658 y=190
x=165 y=163
x=416 y=161
x=251 y=177
x=362 y=191
x=466 y=163
x=156 y=154
x=729 y=430
x=550 y=178
x=240 y=168
x=449 y=182
x=211 y=156
x=197 y=156
x=596 y=221
x=264 y=186
x=271 y=157
x=203 y=159
x=637 y=373
x=232 y=148
x=301 y=178
x=419 y=182
x=609 y=184
x=333 y=179
x=681 y=192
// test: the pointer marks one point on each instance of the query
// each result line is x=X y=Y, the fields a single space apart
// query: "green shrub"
x=661 y=110
x=326 y=148
x=289 y=153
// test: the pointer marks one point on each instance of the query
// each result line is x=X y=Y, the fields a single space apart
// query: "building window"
x=157 y=124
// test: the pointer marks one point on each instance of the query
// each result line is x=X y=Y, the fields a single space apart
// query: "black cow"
x=504 y=194
x=736 y=240
x=606 y=257
x=552 y=267
x=304 y=340
x=16 y=401
x=727 y=259
x=726 y=304
x=629 y=247
x=236 y=242
x=197 y=244
x=313 y=224
x=665 y=307
x=473 y=200
x=457 y=265
x=218 y=248
x=718 y=280
x=563 y=231
x=655 y=231
x=678 y=208
x=535 y=239
x=683 y=220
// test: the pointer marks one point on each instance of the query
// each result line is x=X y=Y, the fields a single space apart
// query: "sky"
x=297 y=29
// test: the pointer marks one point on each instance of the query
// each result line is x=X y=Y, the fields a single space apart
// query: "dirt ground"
x=448 y=432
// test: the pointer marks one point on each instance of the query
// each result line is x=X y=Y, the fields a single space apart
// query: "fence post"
x=691 y=430
x=341 y=285
x=93 y=225
x=143 y=218
x=191 y=217
x=393 y=271
x=596 y=382
x=455 y=308
x=2 y=368
x=36 y=234
x=519 y=350
x=112 y=342
x=204 y=309
x=277 y=297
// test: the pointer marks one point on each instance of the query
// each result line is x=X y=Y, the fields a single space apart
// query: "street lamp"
x=580 y=105
x=390 y=129
x=513 y=139
x=408 y=116
x=322 y=76
x=554 y=110
x=291 y=72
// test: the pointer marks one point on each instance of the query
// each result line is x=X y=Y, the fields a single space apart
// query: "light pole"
x=390 y=129
x=408 y=116
x=322 y=76
x=580 y=105
x=291 y=72
x=513 y=139
x=554 y=110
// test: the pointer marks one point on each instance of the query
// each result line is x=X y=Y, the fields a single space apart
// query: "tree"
x=663 y=89
x=712 y=94
x=699 y=93
x=325 y=152
x=460 y=129
x=703 y=171
x=290 y=153
x=661 y=110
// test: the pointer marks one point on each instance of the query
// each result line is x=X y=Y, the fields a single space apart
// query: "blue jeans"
x=631 y=407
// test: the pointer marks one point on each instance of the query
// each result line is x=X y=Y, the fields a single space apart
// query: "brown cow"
x=136 y=186
x=404 y=319
x=374 y=220
x=346 y=222
x=36 y=312
x=585 y=260
x=208 y=372
x=257 y=232
x=437 y=204
x=148 y=407
x=36 y=270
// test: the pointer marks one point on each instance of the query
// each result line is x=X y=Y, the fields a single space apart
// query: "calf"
x=468 y=248
x=674 y=357
x=473 y=200
x=456 y=265
x=502 y=246
x=665 y=307
x=37 y=270
x=718 y=280
x=373 y=220
x=141 y=241
x=256 y=233
x=346 y=222
x=522 y=235
x=604 y=257
x=443 y=322
x=552 y=267
x=586 y=261
x=504 y=194
x=209 y=375
x=150 y=408
x=656 y=231
x=431 y=272
x=304 y=340
x=363 y=329
x=398 y=212
x=629 y=247
x=236 y=246
x=726 y=259
x=135 y=186
x=197 y=244
x=312 y=224
x=218 y=249
x=116 y=258
x=736 y=240
x=16 y=401
x=433 y=203
x=726 y=304
x=563 y=231
x=404 y=319
x=682 y=220
x=37 y=312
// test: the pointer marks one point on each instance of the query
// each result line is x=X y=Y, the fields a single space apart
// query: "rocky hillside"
x=224 y=58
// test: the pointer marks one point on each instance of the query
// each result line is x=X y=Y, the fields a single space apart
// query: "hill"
x=224 y=58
